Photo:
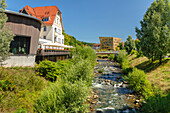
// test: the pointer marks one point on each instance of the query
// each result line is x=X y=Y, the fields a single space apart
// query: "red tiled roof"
x=137 y=39
x=43 y=12
x=96 y=45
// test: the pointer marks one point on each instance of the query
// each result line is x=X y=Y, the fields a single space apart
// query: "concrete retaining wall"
x=13 y=61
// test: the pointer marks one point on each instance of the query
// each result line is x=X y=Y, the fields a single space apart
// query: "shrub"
x=156 y=104
x=63 y=97
x=139 y=54
x=84 y=53
x=122 y=58
x=81 y=70
x=111 y=56
x=133 y=52
x=48 y=69
x=138 y=82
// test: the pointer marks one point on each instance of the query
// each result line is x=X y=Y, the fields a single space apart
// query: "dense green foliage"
x=157 y=104
x=102 y=56
x=139 y=83
x=51 y=70
x=129 y=44
x=72 y=41
x=112 y=56
x=69 y=93
x=122 y=58
x=154 y=34
x=63 y=97
x=6 y=35
x=120 y=46
x=19 y=88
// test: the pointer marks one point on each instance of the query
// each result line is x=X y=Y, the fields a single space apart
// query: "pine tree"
x=154 y=34
x=6 y=36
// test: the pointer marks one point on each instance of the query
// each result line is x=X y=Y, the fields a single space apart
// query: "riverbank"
x=158 y=75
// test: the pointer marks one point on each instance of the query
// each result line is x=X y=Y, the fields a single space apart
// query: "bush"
x=48 y=69
x=138 y=83
x=81 y=70
x=133 y=52
x=84 y=53
x=139 y=54
x=156 y=104
x=112 y=56
x=122 y=58
x=63 y=97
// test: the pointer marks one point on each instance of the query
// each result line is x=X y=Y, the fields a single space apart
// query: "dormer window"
x=46 y=19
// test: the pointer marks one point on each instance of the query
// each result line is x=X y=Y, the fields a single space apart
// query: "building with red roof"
x=51 y=36
x=96 y=46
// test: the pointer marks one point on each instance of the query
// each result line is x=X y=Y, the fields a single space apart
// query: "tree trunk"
x=160 y=59
x=152 y=59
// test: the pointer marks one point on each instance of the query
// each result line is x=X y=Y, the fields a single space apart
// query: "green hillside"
x=72 y=41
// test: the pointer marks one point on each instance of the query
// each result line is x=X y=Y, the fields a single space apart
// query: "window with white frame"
x=59 y=31
x=62 y=41
x=59 y=40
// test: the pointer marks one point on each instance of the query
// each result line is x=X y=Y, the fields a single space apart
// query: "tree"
x=130 y=44
x=120 y=46
x=154 y=34
x=6 y=35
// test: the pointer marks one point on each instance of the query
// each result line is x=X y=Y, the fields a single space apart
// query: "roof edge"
x=24 y=15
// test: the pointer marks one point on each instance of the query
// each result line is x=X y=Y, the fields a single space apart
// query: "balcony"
x=49 y=51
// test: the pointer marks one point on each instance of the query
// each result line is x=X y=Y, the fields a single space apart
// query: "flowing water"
x=110 y=92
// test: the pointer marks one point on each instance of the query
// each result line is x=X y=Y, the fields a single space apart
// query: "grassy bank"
x=149 y=80
x=61 y=86
x=19 y=88
x=158 y=75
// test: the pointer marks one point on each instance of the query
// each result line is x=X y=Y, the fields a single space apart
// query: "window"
x=59 y=31
x=45 y=28
x=58 y=13
x=57 y=20
x=55 y=39
x=62 y=41
x=59 y=40
x=44 y=37
x=55 y=29
x=20 y=45
x=45 y=19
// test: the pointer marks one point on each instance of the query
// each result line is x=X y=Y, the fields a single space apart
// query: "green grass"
x=19 y=88
x=158 y=75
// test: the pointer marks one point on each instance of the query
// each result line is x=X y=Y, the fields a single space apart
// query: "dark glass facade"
x=20 y=45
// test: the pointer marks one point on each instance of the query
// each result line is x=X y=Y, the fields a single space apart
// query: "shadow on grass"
x=147 y=66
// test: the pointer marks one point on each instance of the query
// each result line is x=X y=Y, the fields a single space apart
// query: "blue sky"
x=88 y=19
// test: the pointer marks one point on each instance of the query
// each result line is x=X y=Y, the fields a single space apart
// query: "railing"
x=40 y=51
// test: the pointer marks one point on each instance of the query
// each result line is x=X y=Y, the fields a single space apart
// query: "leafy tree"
x=120 y=46
x=72 y=41
x=6 y=35
x=154 y=34
x=130 y=44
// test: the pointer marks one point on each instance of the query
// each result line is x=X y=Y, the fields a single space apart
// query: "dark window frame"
x=20 y=45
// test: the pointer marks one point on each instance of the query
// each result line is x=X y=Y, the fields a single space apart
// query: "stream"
x=110 y=93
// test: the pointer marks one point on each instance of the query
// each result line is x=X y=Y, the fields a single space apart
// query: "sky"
x=87 y=20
